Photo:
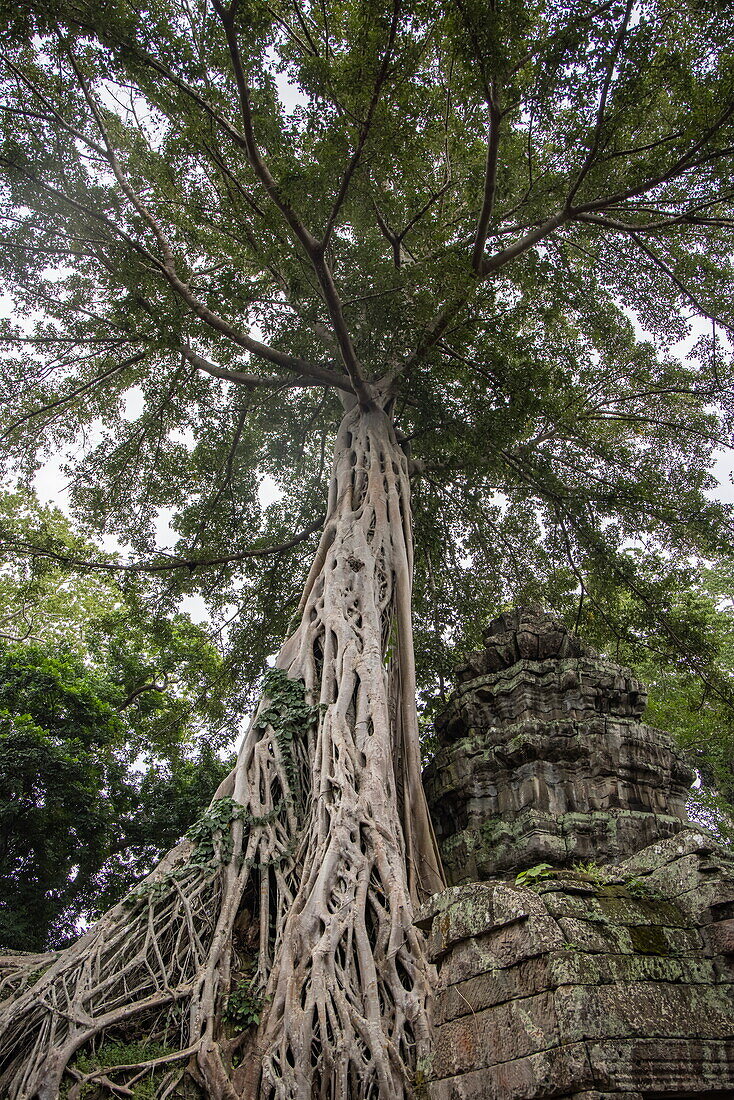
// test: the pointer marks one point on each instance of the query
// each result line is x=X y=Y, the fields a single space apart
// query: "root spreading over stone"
x=290 y=904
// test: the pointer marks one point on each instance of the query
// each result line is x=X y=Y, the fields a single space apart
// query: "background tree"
x=61 y=793
x=431 y=264
x=80 y=821
x=111 y=725
x=162 y=664
x=688 y=667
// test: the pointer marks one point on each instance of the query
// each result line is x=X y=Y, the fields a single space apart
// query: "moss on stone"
x=648 y=939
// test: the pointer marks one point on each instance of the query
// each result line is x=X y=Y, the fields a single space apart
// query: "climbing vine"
x=211 y=835
x=289 y=715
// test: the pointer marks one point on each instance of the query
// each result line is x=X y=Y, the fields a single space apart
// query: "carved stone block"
x=583 y=989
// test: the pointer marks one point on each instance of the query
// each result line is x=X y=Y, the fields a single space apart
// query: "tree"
x=61 y=792
x=168 y=676
x=430 y=264
x=81 y=818
x=689 y=672
x=40 y=600
x=107 y=746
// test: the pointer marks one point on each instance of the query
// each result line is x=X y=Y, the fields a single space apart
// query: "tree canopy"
x=471 y=205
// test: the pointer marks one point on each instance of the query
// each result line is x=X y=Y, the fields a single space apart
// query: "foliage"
x=173 y=684
x=211 y=833
x=111 y=1054
x=688 y=666
x=591 y=870
x=61 y=790
x=289 y=715
x=244 y=1004
x=41 y=601
x=482 y=226
x=113 y=719
x=638 y=888
x=535 y=874
x=80 y=817
x=712 y=810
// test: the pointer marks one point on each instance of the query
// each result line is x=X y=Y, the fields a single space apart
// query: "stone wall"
x=611 y=979
x=586 y=987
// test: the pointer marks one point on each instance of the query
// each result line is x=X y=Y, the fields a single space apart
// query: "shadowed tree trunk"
x=324 y=845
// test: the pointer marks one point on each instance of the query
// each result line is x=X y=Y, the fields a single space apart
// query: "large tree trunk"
x=324 y=847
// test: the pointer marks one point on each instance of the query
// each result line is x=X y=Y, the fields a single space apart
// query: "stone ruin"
x=544 y=758
x=608 y=973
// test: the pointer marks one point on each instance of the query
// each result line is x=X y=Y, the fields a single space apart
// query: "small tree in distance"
x=429 y=267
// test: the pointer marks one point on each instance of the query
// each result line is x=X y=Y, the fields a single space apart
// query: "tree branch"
x=683 y=164
x=168 y=264
x=667 y=221
x=633 y=234
x=166 y=566
x=55 y=115
x=490 y=179
x=316 y=377
x=313 y=248
x=141 y=691
x=608 y=76
x=365 y=128
x=260 y=168
x=494 y=263
x=74 y=393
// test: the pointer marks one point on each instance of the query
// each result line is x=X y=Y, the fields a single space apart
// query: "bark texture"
x=301 y=883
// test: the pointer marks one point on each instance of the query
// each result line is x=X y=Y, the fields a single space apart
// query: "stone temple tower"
x=609 y=980
x=544 y=758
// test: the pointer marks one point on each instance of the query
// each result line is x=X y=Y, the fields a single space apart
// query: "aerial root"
x=168 y=946
x=291 y=904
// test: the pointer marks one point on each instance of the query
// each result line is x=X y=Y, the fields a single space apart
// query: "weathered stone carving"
x=589 y=987
x=544 y=758
x=603 y=983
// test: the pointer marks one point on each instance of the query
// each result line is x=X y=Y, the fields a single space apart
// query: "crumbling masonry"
x=612 y=981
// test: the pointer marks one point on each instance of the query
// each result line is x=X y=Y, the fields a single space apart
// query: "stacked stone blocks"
x=581 y=989
x=611 y=979
x=546 y=759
